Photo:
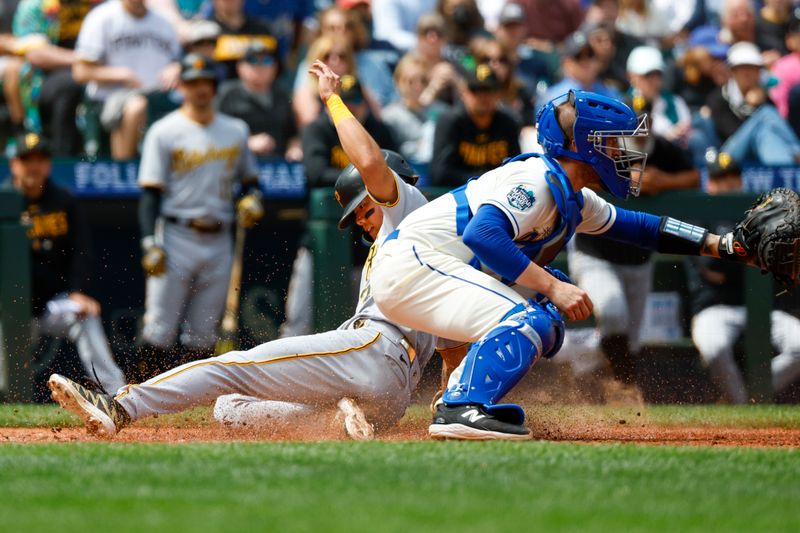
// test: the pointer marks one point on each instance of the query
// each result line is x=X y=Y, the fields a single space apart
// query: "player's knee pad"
x=496 y=362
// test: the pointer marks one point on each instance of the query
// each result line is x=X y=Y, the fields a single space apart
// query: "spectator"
x=738 y=23
x=238 y=30
x=670 y=116
x=261 y=104
x=656 y=22
x=580 y=70
x=745 y=121
x=375 y=59
x=603 y=14
x=48 y=86
x=515 y=96
x=787 y=69
x=532 y=66
x=61 y=262
x=772 y=21
x=395 y=21
x=337 y=52
x=702 y=67
x=462 y=22
x=602 y=39
x=550 y=23
x=412 y=122
x=124 y=51
x=12 y=111
x=618 y=277
x=476 y=136
x=430 y=47
x=288 y=20
x=717 y=305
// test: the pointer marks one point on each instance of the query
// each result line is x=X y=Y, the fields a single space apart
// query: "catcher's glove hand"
x=249 y=210
x=154 y=260
x=769 y=236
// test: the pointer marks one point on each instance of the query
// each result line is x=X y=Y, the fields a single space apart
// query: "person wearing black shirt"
x=264 y=106
x=719 y=317
x=618 y=277
x=475 y=137
x=61 y=262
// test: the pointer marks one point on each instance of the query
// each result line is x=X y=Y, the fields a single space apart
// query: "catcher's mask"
x=350 y=190
x=603 y=131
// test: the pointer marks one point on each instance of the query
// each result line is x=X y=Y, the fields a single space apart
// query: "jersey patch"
x=521 y=198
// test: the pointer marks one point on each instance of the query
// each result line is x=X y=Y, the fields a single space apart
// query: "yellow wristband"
x=338 y=110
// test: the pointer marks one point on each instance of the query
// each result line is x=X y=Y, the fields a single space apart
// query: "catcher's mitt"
x=769 y=236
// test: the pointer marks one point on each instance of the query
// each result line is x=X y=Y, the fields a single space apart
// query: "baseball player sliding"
x=368 y=362
x=192 y=160
x=451 y=268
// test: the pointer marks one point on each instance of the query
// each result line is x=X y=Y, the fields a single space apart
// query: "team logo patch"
x=521 y=198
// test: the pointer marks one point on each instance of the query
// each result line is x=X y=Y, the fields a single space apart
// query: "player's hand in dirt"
x=329 y=83
x=571 y=300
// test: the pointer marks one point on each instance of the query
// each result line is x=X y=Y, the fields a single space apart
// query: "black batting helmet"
x=350 y=190
x=198 y=67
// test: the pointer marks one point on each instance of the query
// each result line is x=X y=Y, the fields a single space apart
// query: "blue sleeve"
x=635 y=227
x=490 y=236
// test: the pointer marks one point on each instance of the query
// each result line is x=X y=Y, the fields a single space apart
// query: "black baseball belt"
x=198 y=224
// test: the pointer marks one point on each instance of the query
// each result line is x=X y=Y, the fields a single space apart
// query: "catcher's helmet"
x=198 y=67
x=350 y=190
x=602 y=126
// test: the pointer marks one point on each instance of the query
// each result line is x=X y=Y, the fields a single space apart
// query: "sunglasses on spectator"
x=337 y=55
x=264 y=60
x=497 y=59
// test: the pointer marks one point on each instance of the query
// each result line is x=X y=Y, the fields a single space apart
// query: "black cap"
x=30 y=143
x=512 y=14
x=351 y=89
x=720 y=164
x=349 y=191
x=198 y=67
x=257 y=49
x=481 y=76
x=576 y=44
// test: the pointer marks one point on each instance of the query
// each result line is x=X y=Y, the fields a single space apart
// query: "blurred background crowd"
x=92 y=75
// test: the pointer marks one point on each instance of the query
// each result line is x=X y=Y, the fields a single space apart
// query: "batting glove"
x=249 y=210
x=154 y=261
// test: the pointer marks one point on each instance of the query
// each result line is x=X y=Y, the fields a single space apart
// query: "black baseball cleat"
x=101 y=413
x=472 y=422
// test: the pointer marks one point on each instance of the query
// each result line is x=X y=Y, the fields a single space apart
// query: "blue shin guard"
x=497 y=362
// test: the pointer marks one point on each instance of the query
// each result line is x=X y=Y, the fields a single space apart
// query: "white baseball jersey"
x=409 y=199
x=196 y=165
x=520 y=192
x=424 y=279
x=111 y=36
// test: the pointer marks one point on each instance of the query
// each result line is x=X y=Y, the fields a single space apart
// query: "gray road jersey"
x=196 y=165
x=410 y=199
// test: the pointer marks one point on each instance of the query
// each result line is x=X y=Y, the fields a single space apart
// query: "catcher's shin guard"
x=497 y=362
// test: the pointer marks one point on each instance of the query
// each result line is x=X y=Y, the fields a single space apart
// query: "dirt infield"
x=596 y=433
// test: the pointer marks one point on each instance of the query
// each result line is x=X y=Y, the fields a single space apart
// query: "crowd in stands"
x=92 y=75
x=454 y=85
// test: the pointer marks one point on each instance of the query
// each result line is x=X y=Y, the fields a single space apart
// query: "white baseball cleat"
x=355 y=423
x=101 y=414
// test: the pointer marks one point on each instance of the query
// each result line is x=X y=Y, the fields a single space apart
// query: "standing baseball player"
x=512 y=221
x=368 y=360
x=192 y=160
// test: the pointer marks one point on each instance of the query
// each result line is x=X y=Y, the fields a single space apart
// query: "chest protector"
x=568 y=204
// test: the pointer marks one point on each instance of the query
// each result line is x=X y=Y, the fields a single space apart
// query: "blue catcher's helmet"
x=605 y=133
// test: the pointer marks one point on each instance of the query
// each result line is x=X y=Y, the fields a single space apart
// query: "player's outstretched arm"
x=358 y=144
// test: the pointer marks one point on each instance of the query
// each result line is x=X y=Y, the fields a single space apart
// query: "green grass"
x=412 y=486
x=383 y=486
